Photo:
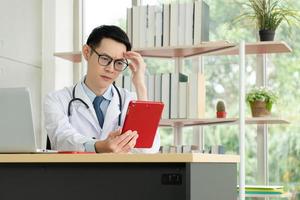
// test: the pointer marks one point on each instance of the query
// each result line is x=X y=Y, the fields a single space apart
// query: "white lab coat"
x=70 y=133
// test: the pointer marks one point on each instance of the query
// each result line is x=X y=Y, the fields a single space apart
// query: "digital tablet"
x=143 y=117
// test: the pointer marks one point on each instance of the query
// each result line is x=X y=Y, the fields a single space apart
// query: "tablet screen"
x=143 y=117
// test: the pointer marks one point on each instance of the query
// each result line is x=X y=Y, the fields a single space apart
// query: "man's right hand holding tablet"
x=117 y=142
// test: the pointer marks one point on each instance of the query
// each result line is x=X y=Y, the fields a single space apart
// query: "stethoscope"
x=78 y=99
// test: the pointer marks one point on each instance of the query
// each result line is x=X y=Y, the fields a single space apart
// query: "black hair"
x=108 y=31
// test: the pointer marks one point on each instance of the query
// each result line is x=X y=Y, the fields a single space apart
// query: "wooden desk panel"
x=117 y=158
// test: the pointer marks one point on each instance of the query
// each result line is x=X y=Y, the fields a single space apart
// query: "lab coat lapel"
x=112 y=113
x=90 y=113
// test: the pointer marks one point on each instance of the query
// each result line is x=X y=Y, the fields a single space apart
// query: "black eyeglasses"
x=105 y=60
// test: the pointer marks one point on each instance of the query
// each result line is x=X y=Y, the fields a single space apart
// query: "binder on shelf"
x=150 y=27
x=174 y=21
x=196 y=96
x=165 y=95
x=150 y=88
x=182 y=99
x=201 y=22
x=142 y=28
x=157 y=87
x=166 y=25
x=129 y=24
x=181 y=24
x=127 y=82
x=174 y=96
x=119 y=81
x=135 y=26
x=189 y=11
x=158 y=27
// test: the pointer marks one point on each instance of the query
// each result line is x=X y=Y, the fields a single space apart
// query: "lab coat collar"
x=90 y=113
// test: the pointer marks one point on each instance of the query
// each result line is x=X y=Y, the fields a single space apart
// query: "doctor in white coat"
x=76 y=121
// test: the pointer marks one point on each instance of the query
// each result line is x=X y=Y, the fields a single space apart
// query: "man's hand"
x=138 y=69
x=117 y=142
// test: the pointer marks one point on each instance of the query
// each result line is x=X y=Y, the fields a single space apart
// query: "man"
x=87 y=116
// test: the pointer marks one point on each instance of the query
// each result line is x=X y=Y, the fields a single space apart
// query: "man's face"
x=102 y=76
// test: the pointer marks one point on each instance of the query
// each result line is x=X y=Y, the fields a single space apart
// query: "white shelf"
x=258 y=48
x=219 y=121
x=208 y=48
x=266 y=120
x=194 y=122
x=74 y=56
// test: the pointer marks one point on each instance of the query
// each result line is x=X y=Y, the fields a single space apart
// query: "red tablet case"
x=143 y=117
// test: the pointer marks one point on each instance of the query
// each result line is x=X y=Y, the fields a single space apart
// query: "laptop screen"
x=16 y=124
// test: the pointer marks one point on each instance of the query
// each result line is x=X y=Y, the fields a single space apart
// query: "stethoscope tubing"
x=86 y=105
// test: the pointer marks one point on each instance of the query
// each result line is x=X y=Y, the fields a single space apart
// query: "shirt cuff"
x=90 y=146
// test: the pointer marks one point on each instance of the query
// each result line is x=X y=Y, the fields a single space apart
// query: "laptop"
x=16 y=122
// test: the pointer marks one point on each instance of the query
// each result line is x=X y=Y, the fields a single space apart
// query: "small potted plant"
x=261 y=100
x=220 y=109
x=268 y=15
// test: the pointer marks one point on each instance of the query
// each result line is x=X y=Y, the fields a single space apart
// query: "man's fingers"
x=115 y=133
x=128 y=136
x=131 y=143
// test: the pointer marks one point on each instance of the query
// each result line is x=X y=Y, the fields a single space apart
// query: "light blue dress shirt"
x=108 y=94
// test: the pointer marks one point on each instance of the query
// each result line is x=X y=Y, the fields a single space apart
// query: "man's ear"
x=86 y=51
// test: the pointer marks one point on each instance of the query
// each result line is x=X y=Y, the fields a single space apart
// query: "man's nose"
x=110 y=67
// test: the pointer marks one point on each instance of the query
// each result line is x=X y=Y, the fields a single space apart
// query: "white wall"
x=21 y=49
x=57 y=36
x=30 y=32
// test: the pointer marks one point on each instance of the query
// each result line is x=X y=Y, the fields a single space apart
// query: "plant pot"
x=266 y=35
x=259 y=109
x=221 y=114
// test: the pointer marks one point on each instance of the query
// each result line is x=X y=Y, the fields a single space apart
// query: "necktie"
x=97 y=102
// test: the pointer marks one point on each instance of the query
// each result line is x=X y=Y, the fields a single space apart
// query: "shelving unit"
x=210 y=48
x=178 y=124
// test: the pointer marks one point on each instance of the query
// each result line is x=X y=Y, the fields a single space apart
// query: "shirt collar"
x=108 y=94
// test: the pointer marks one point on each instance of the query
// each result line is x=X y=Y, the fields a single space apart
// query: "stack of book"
x=263 y=190
x=175 y=24
x=183 y=95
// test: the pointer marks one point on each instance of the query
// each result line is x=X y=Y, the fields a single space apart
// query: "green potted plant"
x=268 y=15
x=261 y=100
x=220 y=109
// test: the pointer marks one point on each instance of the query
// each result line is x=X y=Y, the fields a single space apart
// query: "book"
x=174 y=21
x=189 y=11
x=165 y=95
x=129 y=24
x=166 y=25
x=143 y=18
x=201 y=22
x=181 y=24
x=158 y=27
x=119 y=81
x=174 y=95
x=127 y=83
x=135 y=27
x=150 y=87
x=263 y=189
x=150 y=26
x=157 y=87
x=196 y=96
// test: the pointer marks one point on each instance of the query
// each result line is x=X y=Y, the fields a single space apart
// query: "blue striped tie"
x=97 y=102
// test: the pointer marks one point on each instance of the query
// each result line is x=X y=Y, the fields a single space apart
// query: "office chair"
x=48 y=145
